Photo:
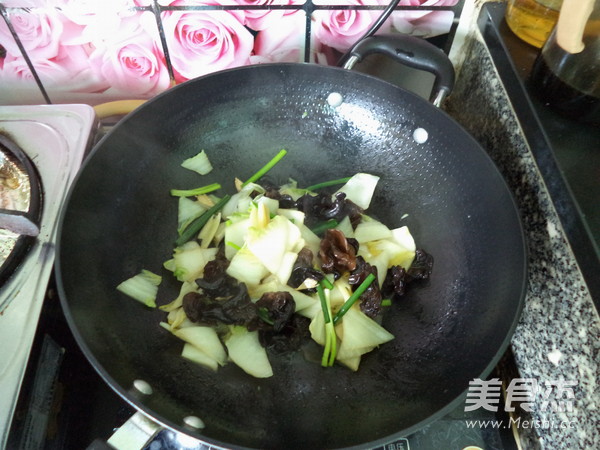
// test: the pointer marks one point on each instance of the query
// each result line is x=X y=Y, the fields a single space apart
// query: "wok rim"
x=136 y=401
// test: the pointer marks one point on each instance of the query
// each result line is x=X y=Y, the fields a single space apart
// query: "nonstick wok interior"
x=120 y=218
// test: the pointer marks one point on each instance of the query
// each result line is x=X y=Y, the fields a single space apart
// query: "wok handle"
x=412 y=52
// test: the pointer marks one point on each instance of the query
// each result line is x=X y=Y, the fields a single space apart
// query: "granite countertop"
x=558 y=336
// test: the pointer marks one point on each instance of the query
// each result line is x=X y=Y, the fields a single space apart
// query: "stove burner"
x=20 y=206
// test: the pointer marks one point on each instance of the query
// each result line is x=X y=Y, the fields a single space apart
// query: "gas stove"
x=51 y=141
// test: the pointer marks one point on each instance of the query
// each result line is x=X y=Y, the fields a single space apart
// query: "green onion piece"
x=198 y=191
x=263 y=315
x=327 y=351
x=266 y=167
x=326 y=284
x=233 y=245
x=195 y=227
x=314 y=187
x=330 y=351
x=323 y=299
x=332 y=344
x=386 y=302
x=320 y=228
x=357 y=293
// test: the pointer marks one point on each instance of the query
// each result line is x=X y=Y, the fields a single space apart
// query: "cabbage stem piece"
x=142 y=287
x=246 y=352
x=199 y=163
x=360 y=188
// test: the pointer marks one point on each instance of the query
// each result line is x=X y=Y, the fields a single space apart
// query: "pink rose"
x=69 y=70
x=261 y=19
x=135 y=66
x=38 y=30
x=15 y=70
x=424 y=22
x=340 y=29
x=201 y=42
x=283 y=41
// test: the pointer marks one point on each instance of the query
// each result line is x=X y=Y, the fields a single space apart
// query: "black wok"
x=120 y=218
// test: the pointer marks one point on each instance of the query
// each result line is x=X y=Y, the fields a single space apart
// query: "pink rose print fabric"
x=99 y=50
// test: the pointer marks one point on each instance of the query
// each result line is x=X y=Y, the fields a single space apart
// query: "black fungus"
x=397 y=279
x=271 y=189
x=277 y=307
x=201 y=308
x=239 y=308
x=370 y=299
x=303 y=269
x=234 y=309
x=421 y=267
x=321 y=207
x=292 y=336
x=395 y=282
x=336 y=253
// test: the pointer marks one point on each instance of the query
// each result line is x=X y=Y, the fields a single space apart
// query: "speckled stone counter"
x=558 y=337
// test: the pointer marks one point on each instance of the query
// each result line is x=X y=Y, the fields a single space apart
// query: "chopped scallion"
x=357 y=293
x=233 y=245
x=320 y=228
x=314 y=187
x=263 y=315
x=330 y=351
x=266 y=167
x=326 y=283
x=198 y=191
x=386 y=302
x=195 y=227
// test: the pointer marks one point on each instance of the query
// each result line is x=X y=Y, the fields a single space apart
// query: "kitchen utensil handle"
x=574 y=14
x=413 y=52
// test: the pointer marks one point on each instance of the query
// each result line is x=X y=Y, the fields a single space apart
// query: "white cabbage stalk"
x=142 y=287
x=403 y=238
x=246 y=352
x=271 y=244
x=371 y=231
x=247 y=268
x=196 y=355
x=235 y=236
x=186 y=287
x=359 y=334
x=271 y=204
x=187 y=211
x=311 y=240
x=241 y=201
x=208 y=231
x=295 y=216
x=360 y=188
x=204 y=339
x=340 y=293
x=317 y=327
x=176 y=318
x=189 y=260
x=199 y=163
x=345 y=226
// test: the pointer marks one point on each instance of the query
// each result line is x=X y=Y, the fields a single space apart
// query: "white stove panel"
x=55 y=138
